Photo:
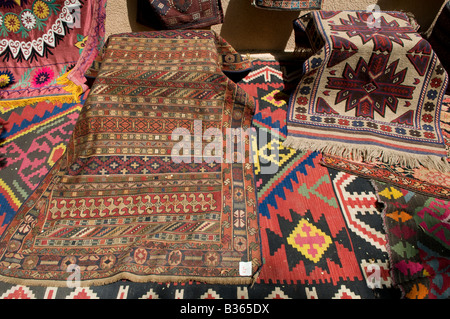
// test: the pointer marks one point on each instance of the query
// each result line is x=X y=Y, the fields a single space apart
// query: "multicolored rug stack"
x=418 y=230
x=371 y=92
x=324 y=256
x=45 y=49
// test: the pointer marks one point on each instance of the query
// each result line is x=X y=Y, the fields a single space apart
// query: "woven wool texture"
x=116 y=204
x=369 y=95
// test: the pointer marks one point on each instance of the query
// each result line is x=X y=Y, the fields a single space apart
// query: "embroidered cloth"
x=372 y=91
x=288 y=4
x=45 y=48
x=129 y=199
x=179 y=14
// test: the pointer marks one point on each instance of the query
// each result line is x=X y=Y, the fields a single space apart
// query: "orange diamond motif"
x=309 y=240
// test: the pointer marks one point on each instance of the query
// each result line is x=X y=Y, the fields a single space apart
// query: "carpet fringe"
x=131 y=277
x=7 y=105
x=369 y=154
x=70 y=86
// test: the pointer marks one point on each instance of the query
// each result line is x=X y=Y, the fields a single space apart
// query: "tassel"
x=7 y=105
x=70 y=86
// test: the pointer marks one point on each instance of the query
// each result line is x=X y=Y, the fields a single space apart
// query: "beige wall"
x=251 y=29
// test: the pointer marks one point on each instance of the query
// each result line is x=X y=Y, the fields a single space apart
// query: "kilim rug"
x=288 y=4
x=370 y=96
x=33 y=139
x=46 y=47
x=271 y=81
x=320 y=228
x=130 y=199
x=179 y=14
x=418 y=231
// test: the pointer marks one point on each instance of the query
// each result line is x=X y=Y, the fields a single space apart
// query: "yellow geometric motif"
x=56 y=153
x=278 y=154
x=391 y=193
x=276 y=98
x=309 y=240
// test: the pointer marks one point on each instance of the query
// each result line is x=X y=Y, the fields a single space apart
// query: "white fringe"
x=369 y=153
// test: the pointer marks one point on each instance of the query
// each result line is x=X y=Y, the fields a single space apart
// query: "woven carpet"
x=418 y=231
x=129 y=199
x=33 y=139
x=370 y=96
x=288 y=4
x=179 y=14
x=334 y=271
x=46 y=47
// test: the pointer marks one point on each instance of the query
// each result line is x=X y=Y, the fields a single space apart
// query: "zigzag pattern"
x=31 y=133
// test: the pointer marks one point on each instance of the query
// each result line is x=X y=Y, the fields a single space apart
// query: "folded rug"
x=372 y=91
x=418 y=234
x=179 y=14
x=288 y=4
x=45 y=47
x=33 y=139
x=128 y=199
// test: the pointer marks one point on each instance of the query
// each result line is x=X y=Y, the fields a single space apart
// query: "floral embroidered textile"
x=45 y=48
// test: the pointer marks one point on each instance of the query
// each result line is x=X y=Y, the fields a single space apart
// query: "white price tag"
x=245 y=268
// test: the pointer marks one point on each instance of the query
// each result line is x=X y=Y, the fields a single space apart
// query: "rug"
x=45 y=48
x=418 y=231
x=179 y=14
x=33 y=139
x=271 y=81
x=288 y=4
x=369 y=95
x=320 y=228
x=132 y=200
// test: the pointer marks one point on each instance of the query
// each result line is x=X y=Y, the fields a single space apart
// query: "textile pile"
x=299 y=191
x=188 y=170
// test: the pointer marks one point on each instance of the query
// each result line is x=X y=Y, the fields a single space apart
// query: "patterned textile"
x=34 y=138
x=288 y=4
x=312 y=230
x=45 y=48
x=418 y=231
x=270 y=82
x=128 y=200
x=420 y=180
x=365 y=95
x=179 y=14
